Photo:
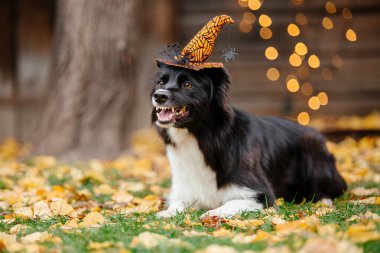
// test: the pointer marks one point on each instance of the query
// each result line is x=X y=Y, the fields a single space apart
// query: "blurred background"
x=75 y=75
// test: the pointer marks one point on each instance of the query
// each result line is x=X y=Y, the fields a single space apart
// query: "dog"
x=227 y=161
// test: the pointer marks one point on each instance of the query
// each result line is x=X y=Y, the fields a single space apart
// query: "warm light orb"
x=300 y=48
x=293 y=30
x=351 y=35
x=249 y=17
x=313 y=61
x=265 y=33
x=301 y=19
x=323 y=98
x=265 y=20
x=307 y=89
x=271 y=53
x=297 y=2
x=273 y=74
x=295 y=60
x=244 y=26
x=243 y=3
x=346 y=13
x=327 y=74
x=327 y=23
x=336 y=61
x=314 y=103
x=330 y=7
x=254 y=4
x=292 y=85
x=303 y=118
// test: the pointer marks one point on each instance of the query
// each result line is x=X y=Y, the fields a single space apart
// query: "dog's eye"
x=187 y=85
x=160 y=82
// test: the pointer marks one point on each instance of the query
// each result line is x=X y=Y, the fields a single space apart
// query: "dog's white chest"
x=193 y=181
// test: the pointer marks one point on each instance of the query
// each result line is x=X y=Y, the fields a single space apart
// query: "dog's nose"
x=161 y=96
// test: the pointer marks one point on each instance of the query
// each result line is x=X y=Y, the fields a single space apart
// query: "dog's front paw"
x=219 y=212
x=167 y=213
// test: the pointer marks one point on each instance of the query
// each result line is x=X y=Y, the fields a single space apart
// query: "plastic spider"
x=229 y=54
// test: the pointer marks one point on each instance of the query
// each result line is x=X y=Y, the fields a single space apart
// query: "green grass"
x=122 y=228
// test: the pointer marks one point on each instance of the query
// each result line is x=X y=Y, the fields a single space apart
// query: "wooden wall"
x=354 y=89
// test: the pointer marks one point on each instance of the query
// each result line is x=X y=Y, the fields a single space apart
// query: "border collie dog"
x=227 y=161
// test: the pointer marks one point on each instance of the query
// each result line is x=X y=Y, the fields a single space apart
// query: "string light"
x=265 y=20
x=297 y=2
x=323 y=98
x=293 y=30
x=351 y=35
x=273 y=74
x=243 y=3
x=271 y=53
x=265 y=33
x=303 y=118
x=327 y=23
x=313 y=61
x=314 y=103
x=245 y=27
x=254 y=4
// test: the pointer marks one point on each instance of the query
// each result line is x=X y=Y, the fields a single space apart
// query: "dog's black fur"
x=273 y=156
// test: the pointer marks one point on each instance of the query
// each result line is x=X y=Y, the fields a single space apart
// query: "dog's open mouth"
x=171 y=114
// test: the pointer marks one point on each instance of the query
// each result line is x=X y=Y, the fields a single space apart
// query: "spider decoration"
x=229 y=54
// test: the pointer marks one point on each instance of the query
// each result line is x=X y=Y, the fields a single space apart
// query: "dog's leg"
x=174 y=208
x=232 y=207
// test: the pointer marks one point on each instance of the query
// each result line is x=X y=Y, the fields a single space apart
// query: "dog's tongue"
x=165 y=115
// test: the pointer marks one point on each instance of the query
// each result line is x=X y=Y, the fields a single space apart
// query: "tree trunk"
x=90 y=101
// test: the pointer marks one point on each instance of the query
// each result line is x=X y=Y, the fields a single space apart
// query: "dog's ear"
x=221 y=83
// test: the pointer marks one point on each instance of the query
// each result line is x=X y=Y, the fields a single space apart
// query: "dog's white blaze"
x=194 y=183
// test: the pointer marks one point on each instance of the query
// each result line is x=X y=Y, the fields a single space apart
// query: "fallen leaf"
x=24 y=212
x=35 y=237
x=99 y=245
x=367 y=201
x=92 y=218
x=41 y=210
x=362 y=233
x=18 y=228
x=364 y=192
x=278 y=221
x=222 y=232
x=60 y=207
x=214 y=248
x=329 y=244
x=7 y=238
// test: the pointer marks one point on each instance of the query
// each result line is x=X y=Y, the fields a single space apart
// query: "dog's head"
x=183 y=97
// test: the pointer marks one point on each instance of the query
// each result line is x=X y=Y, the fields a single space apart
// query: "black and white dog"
x=227 y=161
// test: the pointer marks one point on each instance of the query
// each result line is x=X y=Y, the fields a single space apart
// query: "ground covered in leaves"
x=48 y=205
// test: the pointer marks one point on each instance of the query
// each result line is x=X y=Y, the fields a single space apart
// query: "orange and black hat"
x=195 y=53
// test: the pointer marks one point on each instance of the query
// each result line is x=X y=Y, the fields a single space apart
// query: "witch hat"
x=194 y=54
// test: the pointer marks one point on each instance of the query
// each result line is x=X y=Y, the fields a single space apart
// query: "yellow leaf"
x=222 y=232
x=41 y=210
x=363 y=192
x=92 y=218
x=100 y=245
x=24 y=212
x=147 y=239
x=35 y=237
x=362 y=233
x=6 y=238
x=214 y=248
x=367 y=201
x=60 y=207
x=278 y=221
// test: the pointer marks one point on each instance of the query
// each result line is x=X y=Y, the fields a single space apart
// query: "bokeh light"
x=314 y=103
x=313 y=61
x=337 y=61
x=271 y=53
x=243 y=3
x=303 y=118
x=245 y=27
x=265 y=20
x=254 y=4
x=292 y=85
x=327 y=23
x=327 y=74
x=300 y=48
x=265 y=33
x=346 y=13
x=295 y=60
x=297 y=2
x=273 y=74
x=249 y=17
x=351 y=35
x=293 y=30
x=323 y=98
x=330 y=7
x=307 y=89
x=301 y=19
